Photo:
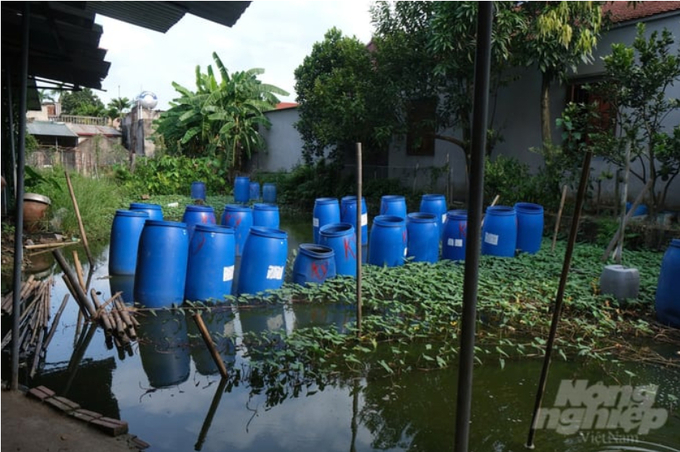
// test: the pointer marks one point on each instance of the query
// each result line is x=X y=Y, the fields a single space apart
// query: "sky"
x=273 y=35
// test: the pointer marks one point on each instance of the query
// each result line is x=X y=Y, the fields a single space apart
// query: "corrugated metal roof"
x=91 y=130
x=49 y=128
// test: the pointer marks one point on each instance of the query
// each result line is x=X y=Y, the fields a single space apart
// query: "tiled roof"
x=623 y=11
x=284 y=105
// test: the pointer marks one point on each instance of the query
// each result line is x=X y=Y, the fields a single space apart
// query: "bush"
x=168 y=175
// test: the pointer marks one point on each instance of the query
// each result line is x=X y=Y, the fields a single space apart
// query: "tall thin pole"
x=478 y=146
x=358 y=235
x=583 y=184
x=19 y=200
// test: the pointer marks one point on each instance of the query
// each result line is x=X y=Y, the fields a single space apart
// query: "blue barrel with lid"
x=435 y=204
x=389 y=239
x=667 y=301
x=423 y=236
x=198 y=190
x=269 y=193
x=195 y=214
x=529 y=227
x=326 y=211
x=394 y=205
x=266 y=215
x=499 y=232
x=210 y=268
x=264 y=260
x=161 y=264
x=126 y=229
x=241 y=219
x=455 y=235
x=154 y=211
x=340 y=237
x=242 y=189
x=254 y=191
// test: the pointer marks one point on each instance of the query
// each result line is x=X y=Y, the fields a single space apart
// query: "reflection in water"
x=124 y=284
x=220 y=324
x=338 y=315
x=163 y=347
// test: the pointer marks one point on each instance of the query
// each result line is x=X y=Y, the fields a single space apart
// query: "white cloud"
x=273 y=35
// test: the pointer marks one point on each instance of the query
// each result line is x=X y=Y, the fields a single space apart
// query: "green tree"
x=426 y=50
x=83 y=103
x=636 y=83
x=222 y=118
x=340 y=101
x=557 y=37
x=118 y=107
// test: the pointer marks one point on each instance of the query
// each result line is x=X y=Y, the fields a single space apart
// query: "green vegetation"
x=412 y=313
x=221 y=119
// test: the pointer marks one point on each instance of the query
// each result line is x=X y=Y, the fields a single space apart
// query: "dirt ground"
x=32 y=426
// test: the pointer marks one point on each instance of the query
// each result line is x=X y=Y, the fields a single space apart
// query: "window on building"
x=579 y=93
x=421 y=127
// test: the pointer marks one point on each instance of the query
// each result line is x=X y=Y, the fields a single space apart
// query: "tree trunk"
x=546 y=122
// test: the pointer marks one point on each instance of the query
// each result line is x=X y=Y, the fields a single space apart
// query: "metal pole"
x=478 y=146
x=583 y=184
x=358 y=235
x=19 y=201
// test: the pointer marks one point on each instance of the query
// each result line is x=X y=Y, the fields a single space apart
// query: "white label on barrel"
x=491 y=239
x=228 y=273
x=315 y=222
x=275 y=272
x=451 y=242
x=458 y=243
x=364 y=219
x=443 y=218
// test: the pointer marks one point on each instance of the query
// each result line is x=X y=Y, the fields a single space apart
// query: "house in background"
x=79 y=143
x=517 y=117
x=517 y=111
x=284 y=143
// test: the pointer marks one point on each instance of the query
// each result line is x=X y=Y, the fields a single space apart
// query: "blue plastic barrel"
x=153 y=210
x=125 y=232
x=269 y=193
x=264 y=260
x=394 y=205
x=529 y=227
x=254 y=191
x=242 y=189
x=423 y=236
x=326 y=211
x=387 y=246
x=161 y=264
x=348 y=214
x=341 y=238
x=198 y=190
x=640 y=210
x=667 y=302
x=241 y=219
x=195 y=214
x=266 y=215
x=435 y=204
x=455 y=235
x=163 y=348
x=499 y=232
x=210 y=268
x=125 y=284
x=313 y=264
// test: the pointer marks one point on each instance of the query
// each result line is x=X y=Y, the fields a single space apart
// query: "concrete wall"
x=284 y=144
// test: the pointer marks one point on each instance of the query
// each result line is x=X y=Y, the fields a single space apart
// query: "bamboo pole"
x=358 y=235
x=42 y=246
x=79 y=271
x=55 y=322
x=79 y=218
x=559 y=217
x=209 y=343
x=75 y=288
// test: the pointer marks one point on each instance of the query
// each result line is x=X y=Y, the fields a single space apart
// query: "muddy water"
x=169 y=391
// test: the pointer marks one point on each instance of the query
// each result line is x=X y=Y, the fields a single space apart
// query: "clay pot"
x=35 y=207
